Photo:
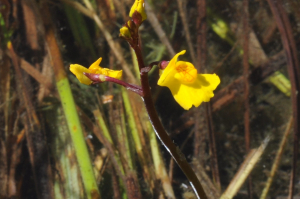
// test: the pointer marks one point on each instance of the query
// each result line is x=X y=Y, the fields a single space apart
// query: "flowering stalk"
x=187 y=86
x=162 y=134
x=147 y=98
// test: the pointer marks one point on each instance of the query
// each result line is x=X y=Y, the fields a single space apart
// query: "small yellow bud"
x=9 y=45
x=130 y=24
x=139 y=6
x=124 y=32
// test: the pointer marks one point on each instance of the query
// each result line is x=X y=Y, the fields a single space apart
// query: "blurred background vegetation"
x=62 y=139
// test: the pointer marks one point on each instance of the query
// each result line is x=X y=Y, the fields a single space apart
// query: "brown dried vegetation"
x=252 y=45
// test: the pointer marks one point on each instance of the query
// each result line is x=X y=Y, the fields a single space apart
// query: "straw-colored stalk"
x=277 y=159
x=244 y=171
x=158 y=29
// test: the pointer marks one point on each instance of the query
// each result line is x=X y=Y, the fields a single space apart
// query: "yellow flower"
x=188 y=87
x=78 y=70
x=139 y=6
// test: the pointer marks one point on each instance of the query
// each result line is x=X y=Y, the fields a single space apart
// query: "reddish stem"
x=162 y=134
x=96 y=79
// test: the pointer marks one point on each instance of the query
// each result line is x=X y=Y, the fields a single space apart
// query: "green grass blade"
x=78 y=139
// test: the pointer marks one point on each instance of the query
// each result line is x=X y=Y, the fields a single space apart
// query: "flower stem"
x=162 y=134
x=148 y=68
x=96 y=78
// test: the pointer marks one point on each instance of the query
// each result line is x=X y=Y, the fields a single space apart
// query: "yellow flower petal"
x=209 y=83
x=117 y=74
x=139 y=6
x=187 y=87
x=200 y=91
x=185 y=72
x=95 y=66
x=78 y=71
x=187 y=96
x=170 y=70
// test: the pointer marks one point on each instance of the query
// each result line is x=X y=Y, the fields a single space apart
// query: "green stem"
x=79 y=29
x=131 y=122
x=63 y=153
x=135 y=135
x=78 y=139
x=102 y=125
x=123 y=138
x=69 y=107
x=109 y=141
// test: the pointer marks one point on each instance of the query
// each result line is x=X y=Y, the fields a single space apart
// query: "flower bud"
x=125 y=32
x=137 y=11
x=163 y=64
